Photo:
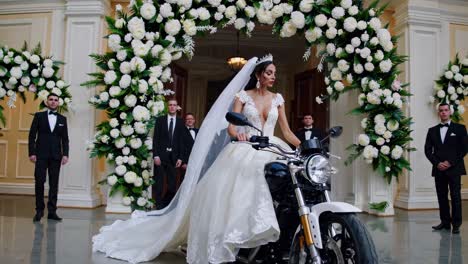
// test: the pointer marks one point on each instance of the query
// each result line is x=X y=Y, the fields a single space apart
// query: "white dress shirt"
x=443 y=132
x=308 y=134
x=192 y=132
x=52 y=120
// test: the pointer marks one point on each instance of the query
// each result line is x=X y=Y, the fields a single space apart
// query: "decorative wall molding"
x=4 y=172
x=21 y=188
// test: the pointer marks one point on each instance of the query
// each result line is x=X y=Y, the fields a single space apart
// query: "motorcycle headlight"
x=318 y=169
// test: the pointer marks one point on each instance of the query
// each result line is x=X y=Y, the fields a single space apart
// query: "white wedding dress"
x=230 y=207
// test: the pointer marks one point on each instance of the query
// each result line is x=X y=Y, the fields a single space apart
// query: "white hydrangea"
x=136 y=26
x=130 y=100
x=385 y=66
x=121 y=55
x=137 y=64
x=165 y=10
x=111 y=180
x=369 y=66
x=320 y=20
x=385 y=150
x=127 y=130
x=363 y=140
x=339 y=86
x=125 y=81
x=135 y=143
x=115 y=133
x=148 y=11
x=110 y=77
x=113 y=42
x=189 y=27
x=239 y=23
x=375 y=23
x=140 y=127
x=343 y=65
x=338 y=12
x=141 y=200
x=120 y=170
x=140 y=113
x=369 y=152
x=313 y=34
x=331 y=33
x=306 y=5
x=397 y=151
x=130 y=177
x=298 y=19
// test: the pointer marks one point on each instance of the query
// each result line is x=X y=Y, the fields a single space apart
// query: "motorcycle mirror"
x=239 y=119
x=336 y=131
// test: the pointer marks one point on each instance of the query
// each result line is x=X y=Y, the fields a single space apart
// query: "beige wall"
x=459 y=44
x=15 y=168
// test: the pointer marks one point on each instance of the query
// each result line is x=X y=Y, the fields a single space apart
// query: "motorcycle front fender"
x=318 y=209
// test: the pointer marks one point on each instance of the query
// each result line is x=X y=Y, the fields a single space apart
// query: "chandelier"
x=237 y=62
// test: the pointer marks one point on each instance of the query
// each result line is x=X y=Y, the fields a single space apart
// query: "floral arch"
x=357 y=53
x=24 y=70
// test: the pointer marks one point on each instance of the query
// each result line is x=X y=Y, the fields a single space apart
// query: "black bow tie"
x=191 y=128
x=52 y=113
x=444 y=125
x=307 y=129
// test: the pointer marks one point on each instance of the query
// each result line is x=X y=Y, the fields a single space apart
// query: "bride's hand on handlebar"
x=242 y=137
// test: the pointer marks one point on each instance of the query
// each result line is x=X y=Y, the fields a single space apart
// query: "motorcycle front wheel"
x=345 y=239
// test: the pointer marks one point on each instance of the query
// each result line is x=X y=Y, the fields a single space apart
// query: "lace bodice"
x=253 y=115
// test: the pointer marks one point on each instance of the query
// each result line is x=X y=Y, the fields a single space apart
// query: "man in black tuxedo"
x=168 y=152
x=446 y=146
x=308 y=131
x=48 y=149
x=190 y=139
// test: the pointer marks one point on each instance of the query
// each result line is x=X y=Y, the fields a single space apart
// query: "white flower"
x=126 y=151
x=147 y=11
x=369 y=66
x=203 y=13
x=165 y=57
x=380 y=128
x=313 y=34
x=24 y=66
x=458 y=77
x=287 y=8
x=115 y=133
x=214 y=3
x=48 y=63
x=393 y=125
x=343 y=65
x=298 y=19
x=120 y=170
x=331 y=23
x=189 y=27
x=43 y=95
x=368 y=152
x=365 y=52
x=448 y=75
x=320 y=20
x=365 y=37
x=111 y=180
x=355 y=42
x=387 y=46
x=372 y=98
x=451 y=90
x=114 y=91
x=114 y=103
x=398 y=103
x=363 y=140
x=386 y=65
x=350 y=24
x=431 y=99
x=125 y=81
x=119 y=23
x=104 y=96
x=113 y=42
x=230 y=12
x=127 y=130
x=459 y=90
x=125 y=67
x=329 y=90
x=361 y=25
x=441 y=94
x=250 y=11
x=239 y=23
x=383 y=35
x=166 y=74
x=373 y=85
x=16 y=72
x=128 y=37
x=141 y=113
x=331 y=48
x=288 y=30
x=455 y=69
x=338 y=12
x=353 y=10
x=141 y=201
x=375 y=23
x=121 y=55
x=34 y=59
x=130 y=177
x=113 y=122
x=318 y=100
x=2 y=92
x=126 y=200
x=397 y=151
x=306 y=5
x=172 y=27
x=141 y=49
x=336 y=75
x=461 y=109
x=265 y=17
x=136 y=26
x=137 y=64
x=140 y=128
x=135 y=143
x=241 y=4
x=385 y=150
x=380 y=141
x=364 y=123
x=166 y=10
x=25 y=81
x=339 y=86
x=331 y=33
x=47 y=72
x=130 y=100
x=349 y=48
x=109 y=77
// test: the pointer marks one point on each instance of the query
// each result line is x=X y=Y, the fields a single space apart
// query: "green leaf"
x=379 y=207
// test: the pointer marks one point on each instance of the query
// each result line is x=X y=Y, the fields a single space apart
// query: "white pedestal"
x=115 y=205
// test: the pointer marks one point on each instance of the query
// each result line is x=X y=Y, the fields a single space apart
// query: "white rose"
x=393 y=125
x=172 y=27
x=136 y=26
x=165 y=57
x=119 y=23
x=230 y=12
x=350 y=24
x=461 y=109
x=148 y=11
x=47 y=72
x=298 y=19
x=336 y=75
x=165 y=10
x=127 y=130
x=24 y=66
x=380 y=129
x=104 y=96
x=241 y=4
x=120 y=170
x=125 y=67
x=369 y=66
x=313 y=34
x=349 y=48
x=451 y=90
x=373 y=85
x=130 y=177
x=141 y=201
x=25 y=81
x=364 y=123
x=130 y=100
x=455 y=69
x=398 y=103
x=239 y=23
x=397 y=151
x=34 y=59
x=385 y=150
x=331 y=23
x=331 y=48
x=111 y=180
x=375 y=23
x=338 y=12
x=346 y=3
x=113 y=42
x=135 y=143
x=250 y=11
x=380 y=141
x=114 y=91
x=363 y=140
x=115 y=133
x=114 y=103
x=141 y=113
x=458 y=77
x=126 y=200
x=386 y=65
x=126 y=151
x=288 y=30
x=121 y=55
x=214 y=3
x=189 y=27
x=140 y=128
x=331 y=33
x=137 y=64
x=287 y=8
x=339 y=86
x=368 y=152
x=265 y=17
x=306 y=5
x=441 y=94
x=320 y=20
x=125 y=81
x=448 y=75
x=343 y=65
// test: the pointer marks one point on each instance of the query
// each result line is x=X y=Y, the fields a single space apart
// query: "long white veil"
x=147 y=234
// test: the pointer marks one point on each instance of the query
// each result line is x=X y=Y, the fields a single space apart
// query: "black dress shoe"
x=456 y=230
x=441 y=226
x=54 y=217
x=37 y=217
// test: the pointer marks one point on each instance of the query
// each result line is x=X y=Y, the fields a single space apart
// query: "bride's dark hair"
x=259 y=69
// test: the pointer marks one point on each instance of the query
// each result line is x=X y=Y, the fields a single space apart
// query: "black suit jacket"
x=300 y=134
x=161 y=140
x=189 y=140
x=453 y=149
x=47 y=144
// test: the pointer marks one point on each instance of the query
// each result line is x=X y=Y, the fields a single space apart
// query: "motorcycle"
x=314 y=229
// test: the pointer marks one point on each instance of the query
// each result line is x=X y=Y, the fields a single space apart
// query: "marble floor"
x=404 y=238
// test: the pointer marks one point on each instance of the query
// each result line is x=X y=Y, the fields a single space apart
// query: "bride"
x=224 y=203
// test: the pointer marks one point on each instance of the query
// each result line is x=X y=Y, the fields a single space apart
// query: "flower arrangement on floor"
x=452 y=87
x=357 y=50
x=24 y=70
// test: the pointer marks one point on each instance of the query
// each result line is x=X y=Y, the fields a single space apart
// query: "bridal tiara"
x=267 y=57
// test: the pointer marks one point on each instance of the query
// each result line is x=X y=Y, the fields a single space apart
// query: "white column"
x=84 y=33
x=422 y=38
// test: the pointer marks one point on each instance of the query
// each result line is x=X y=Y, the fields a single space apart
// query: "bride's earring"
x=258 y=84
